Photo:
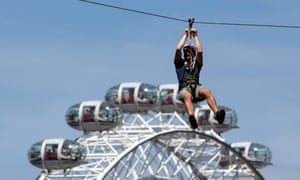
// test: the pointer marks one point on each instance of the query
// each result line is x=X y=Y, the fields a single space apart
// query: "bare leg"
x=219 y=114
x=210 y=99
x=187 y=97
x=190 y=110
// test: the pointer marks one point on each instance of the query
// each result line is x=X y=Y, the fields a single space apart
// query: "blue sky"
x=57 y=53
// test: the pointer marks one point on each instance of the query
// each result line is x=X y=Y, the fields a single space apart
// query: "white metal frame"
x=156 y=145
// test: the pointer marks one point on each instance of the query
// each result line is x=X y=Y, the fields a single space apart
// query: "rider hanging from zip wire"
x=188 y=71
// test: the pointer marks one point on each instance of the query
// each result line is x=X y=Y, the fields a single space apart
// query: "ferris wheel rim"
x=202 y=134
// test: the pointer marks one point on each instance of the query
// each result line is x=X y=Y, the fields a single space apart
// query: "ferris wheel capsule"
x=94 y=116
x=133 y=97
x=56 y=154
x=168 y=99
x=259 y=155
x=205 y=118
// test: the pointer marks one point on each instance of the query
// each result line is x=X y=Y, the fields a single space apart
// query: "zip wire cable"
x=132 y=10
x=197 y=22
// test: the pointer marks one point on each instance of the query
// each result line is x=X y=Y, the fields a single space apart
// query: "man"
x=188 y=71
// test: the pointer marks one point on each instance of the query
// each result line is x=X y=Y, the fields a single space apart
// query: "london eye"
x=140 y=131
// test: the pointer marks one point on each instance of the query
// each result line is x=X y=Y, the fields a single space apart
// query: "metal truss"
x=157 y=145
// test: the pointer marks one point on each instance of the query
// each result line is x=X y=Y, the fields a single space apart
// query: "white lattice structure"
x=155 y=145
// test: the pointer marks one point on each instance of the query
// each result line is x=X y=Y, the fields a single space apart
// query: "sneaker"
x=193 y=122
x=220 y=116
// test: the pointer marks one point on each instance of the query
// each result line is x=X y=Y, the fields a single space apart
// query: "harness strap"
x=193 y=92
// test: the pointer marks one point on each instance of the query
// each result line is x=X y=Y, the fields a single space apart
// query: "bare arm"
x=198 y=47
x=180 y=45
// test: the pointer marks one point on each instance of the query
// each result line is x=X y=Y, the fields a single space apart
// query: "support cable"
x=197 y=22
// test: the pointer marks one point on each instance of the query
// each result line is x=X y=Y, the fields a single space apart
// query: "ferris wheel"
x=141 y=132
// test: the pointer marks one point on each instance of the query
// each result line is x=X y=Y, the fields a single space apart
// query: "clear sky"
x=57 y=53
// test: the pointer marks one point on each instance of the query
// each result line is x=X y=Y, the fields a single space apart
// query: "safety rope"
x=191 y=21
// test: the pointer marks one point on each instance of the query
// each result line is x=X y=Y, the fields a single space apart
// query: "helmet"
x=187 y=48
